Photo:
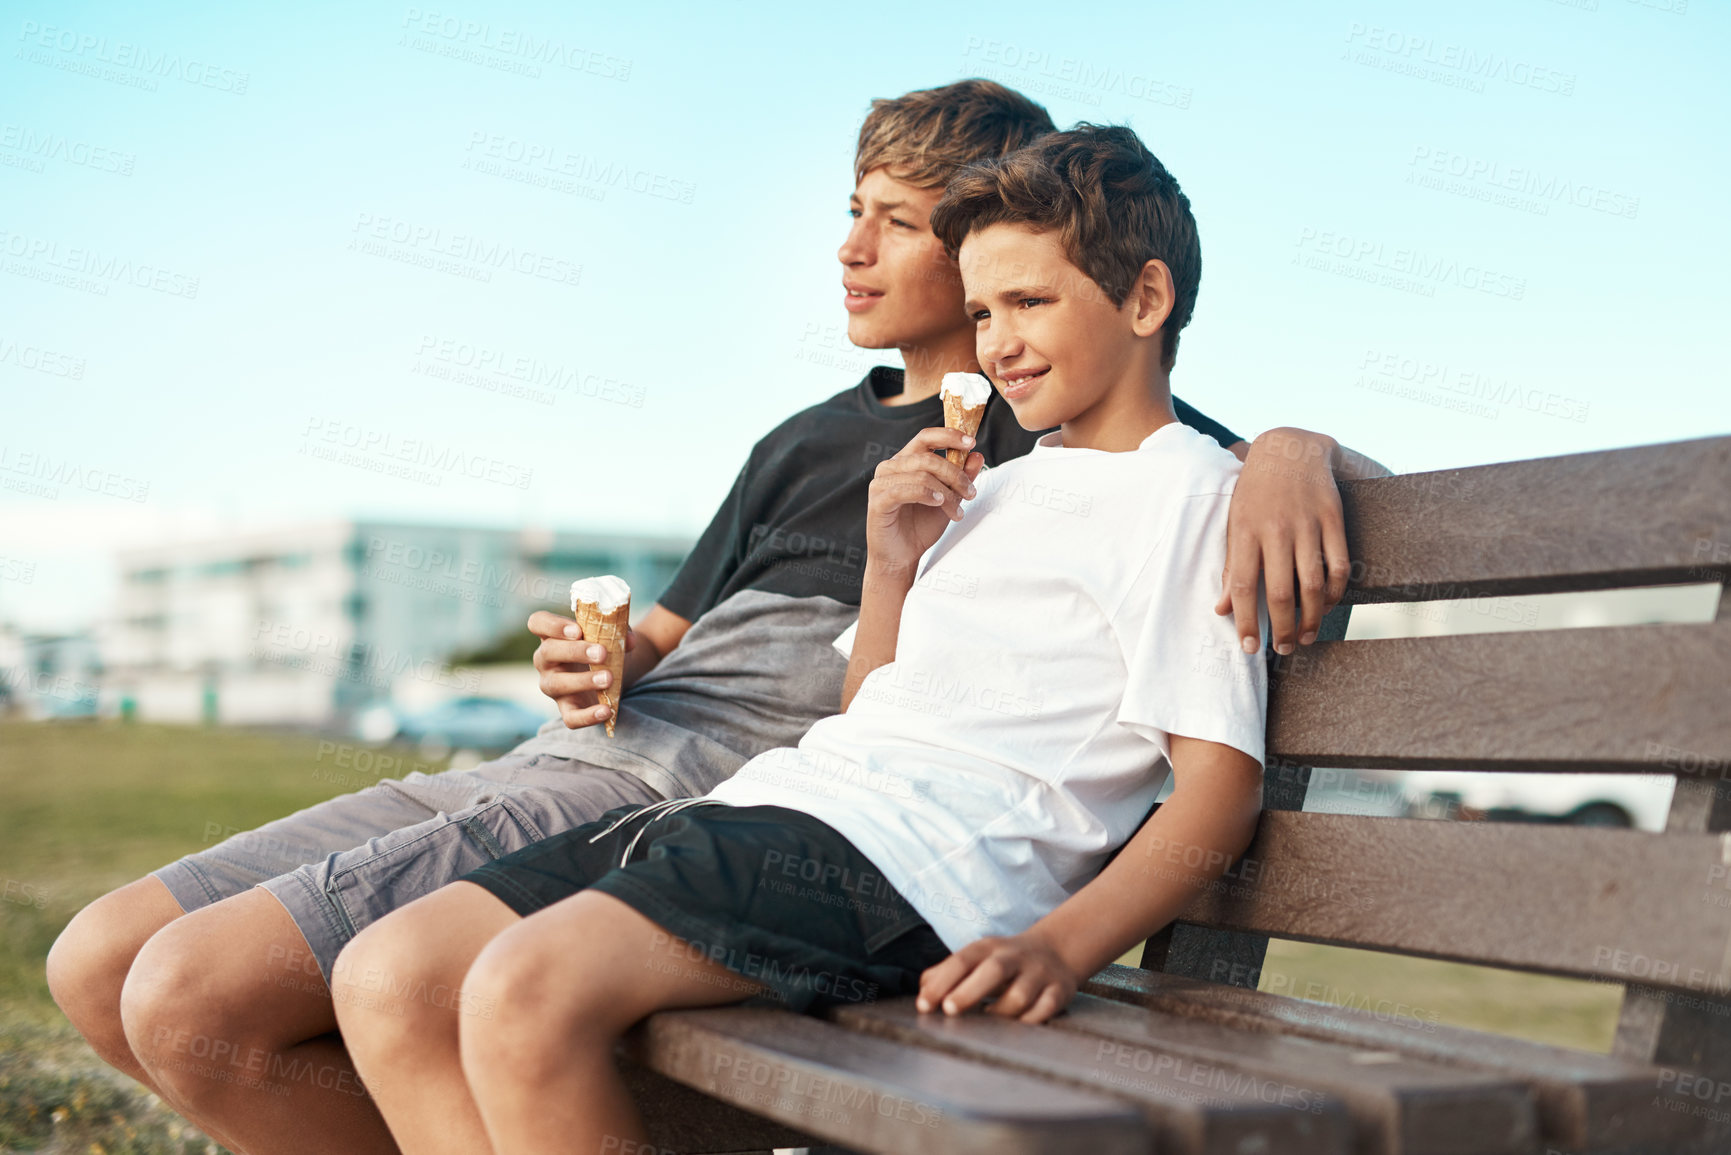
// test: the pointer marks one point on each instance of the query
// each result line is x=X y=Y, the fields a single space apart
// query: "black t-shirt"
x=794 y=522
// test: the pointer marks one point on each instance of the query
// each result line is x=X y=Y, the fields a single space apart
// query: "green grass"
x=1564 y=1012
x=90 y=806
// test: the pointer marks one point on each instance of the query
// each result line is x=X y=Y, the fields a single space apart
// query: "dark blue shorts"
x=772 y=894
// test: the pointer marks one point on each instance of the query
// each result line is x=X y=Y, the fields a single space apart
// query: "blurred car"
x=480 y=723
x=1634 y=800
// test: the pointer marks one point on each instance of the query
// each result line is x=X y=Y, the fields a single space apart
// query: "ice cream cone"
x=604 y=620
x=965 y=418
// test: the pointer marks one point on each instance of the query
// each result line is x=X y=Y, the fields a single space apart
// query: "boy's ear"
x=1151 y=298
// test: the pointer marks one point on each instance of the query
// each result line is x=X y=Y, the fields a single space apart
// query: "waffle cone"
x=956 y=416
x=607 y=629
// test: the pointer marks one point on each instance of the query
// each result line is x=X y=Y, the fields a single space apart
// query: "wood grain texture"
x=1632 y=699
x=681 y=1119
x=1399 y=1105
x=1620 y=905
x=874 y=1095
x=1186 y=1119
x=1587 y=1101
x=1622 y=517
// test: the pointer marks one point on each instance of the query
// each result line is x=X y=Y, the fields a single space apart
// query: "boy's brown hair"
x=926 y=135
x=1111 y=202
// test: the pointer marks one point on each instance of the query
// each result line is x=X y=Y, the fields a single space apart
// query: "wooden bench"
x=1184 y=1055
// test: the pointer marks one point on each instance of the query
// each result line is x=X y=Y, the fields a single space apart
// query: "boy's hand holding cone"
x=964 y=396
x=602 y=607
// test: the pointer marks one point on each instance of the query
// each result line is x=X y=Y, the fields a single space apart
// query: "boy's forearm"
x=883 y=589
x=1187 y=844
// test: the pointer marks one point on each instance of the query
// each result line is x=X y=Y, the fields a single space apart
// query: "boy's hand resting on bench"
x=1031 y=981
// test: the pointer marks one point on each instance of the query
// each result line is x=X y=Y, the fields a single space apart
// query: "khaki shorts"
x=345 y=862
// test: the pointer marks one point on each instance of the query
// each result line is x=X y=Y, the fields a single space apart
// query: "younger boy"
x=986 y=827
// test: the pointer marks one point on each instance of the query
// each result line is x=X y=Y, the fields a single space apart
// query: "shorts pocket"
x=394 y=870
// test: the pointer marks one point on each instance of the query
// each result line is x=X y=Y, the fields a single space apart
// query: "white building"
x=311 y=625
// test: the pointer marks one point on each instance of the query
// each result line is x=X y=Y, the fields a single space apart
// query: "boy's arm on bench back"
x=1286 y=529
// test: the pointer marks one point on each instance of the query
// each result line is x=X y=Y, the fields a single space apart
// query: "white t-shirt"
x=1052 y=639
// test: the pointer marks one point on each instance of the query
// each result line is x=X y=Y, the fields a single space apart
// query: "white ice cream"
x=607 y=593
x=972 y=388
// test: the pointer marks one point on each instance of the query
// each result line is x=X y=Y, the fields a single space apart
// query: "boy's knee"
x=90 y=959
x=386 y=984
x=522 y=1026
x=160 y=995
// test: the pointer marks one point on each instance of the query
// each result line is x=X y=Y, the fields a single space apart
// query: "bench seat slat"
x=1186 y=1119
x=1399 y=1105
x=1529 y=701
x=1584 y=902
x=1587 y=1101
x=874 y=1095
x=1648 y=515
x=681 y=1119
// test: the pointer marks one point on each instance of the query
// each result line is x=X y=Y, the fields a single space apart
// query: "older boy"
x=734 y=660
x=1081 y=265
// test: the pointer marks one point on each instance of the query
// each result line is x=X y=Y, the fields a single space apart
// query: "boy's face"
x=901 y=291
x=1050 y=340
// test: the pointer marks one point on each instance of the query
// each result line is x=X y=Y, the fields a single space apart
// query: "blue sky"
x=235 y=244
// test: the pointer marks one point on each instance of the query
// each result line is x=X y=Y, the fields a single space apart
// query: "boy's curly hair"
x=926 y=135
x=1111 y=202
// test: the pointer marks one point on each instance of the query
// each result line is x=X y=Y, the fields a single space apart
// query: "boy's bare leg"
x=399 y=998
x=564 y=985
x=233 y=1026
x=88 y=964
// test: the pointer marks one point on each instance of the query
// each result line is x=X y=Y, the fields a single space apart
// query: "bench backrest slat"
x=1621 y=905
x=1651 y=515
x=1635 y=699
